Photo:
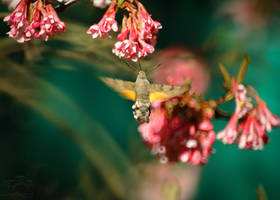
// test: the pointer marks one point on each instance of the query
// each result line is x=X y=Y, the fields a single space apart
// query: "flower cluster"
x=137 y=37
x=180 y=130
x=179 y=65
x=249 y=13
x=34 y=20
x=106 y=24
x=255 y=121
x=38 y=19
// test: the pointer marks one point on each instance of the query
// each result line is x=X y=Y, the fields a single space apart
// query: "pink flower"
x=248 y=12
x=242 y=102
x=255 y=121
x=139 y=28
x=243 y=106
x=137 y=37
x=43 y=23
x=18 y=22
x=50 y=24
x=127 y=49
x=252 y=134
x=34 y=27
x=266 y=118
x=179 y=138
x=149 y=132
x=149 y=26
x=106 y=24
x=229 y=134
x=157 y=179
x=177 y=67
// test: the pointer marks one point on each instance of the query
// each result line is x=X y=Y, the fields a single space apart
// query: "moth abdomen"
x=141 y=111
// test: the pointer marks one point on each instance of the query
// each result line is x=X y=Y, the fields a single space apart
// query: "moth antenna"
x=140 y=65
x=155 y=67
x=130 y=66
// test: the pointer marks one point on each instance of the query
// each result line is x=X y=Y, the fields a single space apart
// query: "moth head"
x=141 y=75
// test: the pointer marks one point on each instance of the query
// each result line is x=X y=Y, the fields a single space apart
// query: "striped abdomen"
x=141 y=111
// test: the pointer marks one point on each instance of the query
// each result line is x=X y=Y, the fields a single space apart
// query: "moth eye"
x=143 y=111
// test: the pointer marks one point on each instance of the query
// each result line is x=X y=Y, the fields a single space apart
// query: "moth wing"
x=165 y=92
x=124 y=88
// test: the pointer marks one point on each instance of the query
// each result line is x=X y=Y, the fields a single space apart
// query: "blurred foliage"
x=261 y=195
x=22 y=79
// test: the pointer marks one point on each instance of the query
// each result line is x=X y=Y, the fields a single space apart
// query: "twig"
x=222 y=114
x=62 y=6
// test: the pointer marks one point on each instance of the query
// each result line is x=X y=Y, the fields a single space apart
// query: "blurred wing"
x=165 y=92
x=124 y=88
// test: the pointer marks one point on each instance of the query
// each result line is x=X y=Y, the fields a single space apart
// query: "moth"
x=143 y=93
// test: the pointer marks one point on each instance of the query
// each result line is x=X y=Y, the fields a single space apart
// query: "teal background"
x=32 y=146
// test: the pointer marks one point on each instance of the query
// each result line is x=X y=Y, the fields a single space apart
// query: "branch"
x=62 y=6
x=222 y=114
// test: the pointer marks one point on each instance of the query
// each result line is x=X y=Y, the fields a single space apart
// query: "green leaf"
x=227 y=77
x=120 y=3
x=260 y=192
x=242 y=69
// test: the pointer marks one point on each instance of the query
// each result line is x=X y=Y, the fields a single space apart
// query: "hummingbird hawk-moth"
x=143 y=93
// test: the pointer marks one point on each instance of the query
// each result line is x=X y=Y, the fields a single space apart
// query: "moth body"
x=142 y=106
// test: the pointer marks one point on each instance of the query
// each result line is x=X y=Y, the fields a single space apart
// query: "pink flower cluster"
x=177 y=67
x=38 y=19
x=137 y=37
x=186 y=136
x=255 y=121
x=18 y=22
x=179 y=129
x=39 y=22
x=106 y=24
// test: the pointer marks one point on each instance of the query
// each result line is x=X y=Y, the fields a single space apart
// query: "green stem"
x=120 y=3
